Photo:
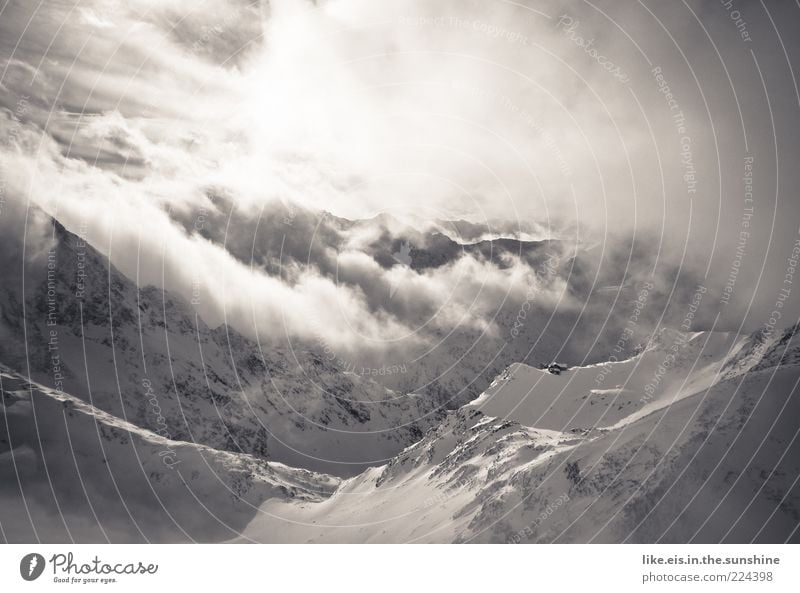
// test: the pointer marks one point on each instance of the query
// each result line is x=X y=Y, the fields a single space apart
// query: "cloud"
x=143 y=117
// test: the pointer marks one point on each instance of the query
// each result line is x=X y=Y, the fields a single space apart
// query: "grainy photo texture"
x=409 y=271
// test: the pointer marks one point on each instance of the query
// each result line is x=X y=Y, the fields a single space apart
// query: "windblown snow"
x=145 y=424
x=590 y=456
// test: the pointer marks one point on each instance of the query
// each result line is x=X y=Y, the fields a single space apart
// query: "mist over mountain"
x=410 y=271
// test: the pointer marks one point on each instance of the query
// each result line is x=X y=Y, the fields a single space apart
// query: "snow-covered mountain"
x=537 y=297
x=709 y=455
x=114 y=343
x=127 y=418
x=145 y=356
x=72 y=472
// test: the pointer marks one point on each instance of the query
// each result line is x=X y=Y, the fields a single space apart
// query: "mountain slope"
x=717 y=463
x=72 y=472
x=144 y=355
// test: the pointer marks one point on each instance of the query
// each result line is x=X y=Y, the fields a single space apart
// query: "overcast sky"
x=120 y=117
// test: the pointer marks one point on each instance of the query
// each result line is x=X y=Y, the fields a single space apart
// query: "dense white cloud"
x=138 y=113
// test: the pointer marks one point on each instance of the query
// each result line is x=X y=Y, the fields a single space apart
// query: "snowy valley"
x=127 y=418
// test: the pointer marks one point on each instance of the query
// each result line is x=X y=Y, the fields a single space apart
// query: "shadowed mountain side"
x=716 y=463
x=71 y=472
x=144 y=355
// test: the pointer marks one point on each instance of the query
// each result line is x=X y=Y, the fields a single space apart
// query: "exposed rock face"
x=127 y=418
x=673 y=468
x=72 y=472
x=145 y=356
